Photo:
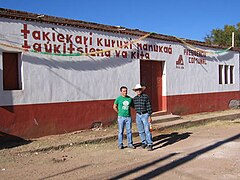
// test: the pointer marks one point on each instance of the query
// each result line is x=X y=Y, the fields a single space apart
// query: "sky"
x=190 y=19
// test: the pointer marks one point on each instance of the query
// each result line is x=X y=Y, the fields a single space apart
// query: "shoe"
x=132 y=147
x=149 y=147
x=120 y=147
x=143 y=146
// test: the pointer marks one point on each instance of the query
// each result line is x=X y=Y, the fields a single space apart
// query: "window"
x=226 y=74
x=11 y=69
x=220 y=74
x=231 y=74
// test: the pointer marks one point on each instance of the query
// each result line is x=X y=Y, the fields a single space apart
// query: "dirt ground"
x=209 y=151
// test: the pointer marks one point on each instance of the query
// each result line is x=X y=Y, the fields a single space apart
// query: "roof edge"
x=27 y=16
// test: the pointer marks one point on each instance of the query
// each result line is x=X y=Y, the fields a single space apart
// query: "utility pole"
x=232 y=39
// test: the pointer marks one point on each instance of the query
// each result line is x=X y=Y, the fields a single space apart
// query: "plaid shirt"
x=142 y=104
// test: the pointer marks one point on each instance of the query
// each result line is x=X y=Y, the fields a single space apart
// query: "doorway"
x=151 y=77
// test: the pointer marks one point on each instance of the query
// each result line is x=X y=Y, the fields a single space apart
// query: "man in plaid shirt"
x=143 y=110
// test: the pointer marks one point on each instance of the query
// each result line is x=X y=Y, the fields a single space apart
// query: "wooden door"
x=151 y=77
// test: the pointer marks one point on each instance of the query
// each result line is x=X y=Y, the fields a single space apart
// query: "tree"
x=223 y=37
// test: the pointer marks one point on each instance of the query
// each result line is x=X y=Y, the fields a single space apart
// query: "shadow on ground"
x=169 y=139
x=10 y=141
x=163 y=140
x=177 y=162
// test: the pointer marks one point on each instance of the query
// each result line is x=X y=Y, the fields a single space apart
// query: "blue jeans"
x=122 y=121
x=144 y=128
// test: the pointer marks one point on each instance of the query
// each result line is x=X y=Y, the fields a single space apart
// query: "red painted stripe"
x=36 y=120
x=195 y=103
x=28 y=121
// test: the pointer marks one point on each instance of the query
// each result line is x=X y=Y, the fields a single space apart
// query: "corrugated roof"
x=26 y=16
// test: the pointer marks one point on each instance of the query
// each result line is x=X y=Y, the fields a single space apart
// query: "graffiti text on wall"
x=87 y=43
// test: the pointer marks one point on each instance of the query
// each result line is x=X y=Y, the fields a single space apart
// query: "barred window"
x=226 y=74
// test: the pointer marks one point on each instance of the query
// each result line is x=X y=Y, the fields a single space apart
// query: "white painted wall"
x=201 y=78
x=51 y=78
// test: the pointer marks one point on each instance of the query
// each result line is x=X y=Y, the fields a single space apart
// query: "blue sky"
x=189 y=19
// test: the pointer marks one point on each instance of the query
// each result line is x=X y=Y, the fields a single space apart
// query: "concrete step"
x=159 y=113
x=165 y=118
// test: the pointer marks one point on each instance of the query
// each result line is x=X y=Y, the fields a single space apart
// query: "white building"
x=59 y=75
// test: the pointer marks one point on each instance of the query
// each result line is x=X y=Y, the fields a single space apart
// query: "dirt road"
x=204 y=152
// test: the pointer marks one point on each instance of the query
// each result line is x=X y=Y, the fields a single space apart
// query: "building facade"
x=59 y=75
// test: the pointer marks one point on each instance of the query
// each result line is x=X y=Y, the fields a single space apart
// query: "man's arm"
x=115 y=107
x=148 y=105
x=132 y=103
x=149 y=109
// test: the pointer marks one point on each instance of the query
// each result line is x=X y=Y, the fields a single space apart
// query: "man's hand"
x=150 y=119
